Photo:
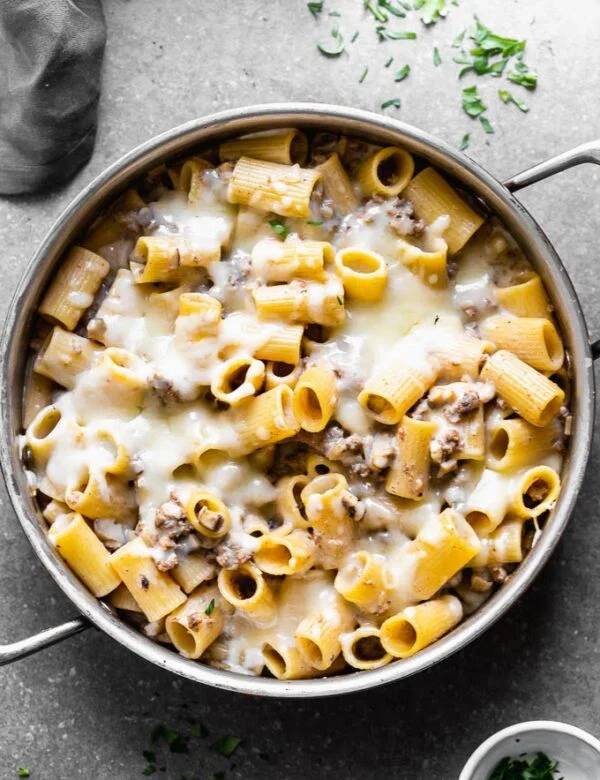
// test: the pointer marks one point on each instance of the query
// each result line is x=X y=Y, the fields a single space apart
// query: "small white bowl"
x=577 y=752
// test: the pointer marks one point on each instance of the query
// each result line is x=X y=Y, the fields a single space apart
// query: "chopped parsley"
x=226 y=746
x=402 y=73
x=332 y=48
x=162 y=732
x=354 y=37
x=176 y=743
x=389 y=62
x=391 y=8
x=211 y=608
x=363 y=75
x=472 y=103
x=395 y=102
x=334 y=13
x=508 y=97
x=199 y=730
x=22 y=771
x=457 y=42
x=437 y=59
x=464 y=144
x=315 y=8
x=377 y=12
x=395 y=35
x=340 y=301
x=314 y=221
x=149 y=770
x=523 y=76
x=491 y=52
x=431 y=10
x=279 y=228
x=538 y=768
x=486 y=124
x=150 y=756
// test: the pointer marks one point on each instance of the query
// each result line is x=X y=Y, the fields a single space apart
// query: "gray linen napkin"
x=50 y=61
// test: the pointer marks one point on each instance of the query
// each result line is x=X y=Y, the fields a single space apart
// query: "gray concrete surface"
x=85 y=709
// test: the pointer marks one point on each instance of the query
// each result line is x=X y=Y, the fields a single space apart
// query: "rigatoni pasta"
x=319 y=417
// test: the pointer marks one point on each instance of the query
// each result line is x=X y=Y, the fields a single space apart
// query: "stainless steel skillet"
x=207 y=131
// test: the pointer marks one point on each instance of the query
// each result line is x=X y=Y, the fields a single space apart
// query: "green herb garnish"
x=457 y=42
x=393 y=9
x=227 y=746
x=340 y=301
x=314 y=221
x=491 y=52
x=508 y=97
x=363 y=75
x=437 y=59
x=335 y=48
x=472 y=103
x=402 y=73
x=395 y=102
x=540 y=768
x=315 y=8
x=431 y=10
x=279 y=228
x=149 y=770
x=486 y=124
x=354 y=37
x=149 y=756
x=219 y=776
x=22 y=771
x=199 y=730
x=389 y=62
x=211 y=608
x=395 y=35
x=334 y=13
x=464 y=144
x=162 y=732
x=523 y=76
x=377 y=12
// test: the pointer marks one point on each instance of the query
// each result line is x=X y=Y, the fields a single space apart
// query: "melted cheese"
x=411 y=325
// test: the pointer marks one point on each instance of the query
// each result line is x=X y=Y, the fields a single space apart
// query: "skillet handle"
x=33 y=644
x=586 y=153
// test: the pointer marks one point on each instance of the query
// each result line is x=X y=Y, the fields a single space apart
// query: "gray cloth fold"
x=50 y=62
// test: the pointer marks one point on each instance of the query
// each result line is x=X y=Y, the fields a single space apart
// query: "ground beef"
x=231 y=555
x=402 y=220
x=365 y=456
x=443 y=448
x=355 y=508
x=499 y=574
x=171 y=521
x=162 y=389
x=466 y=404
x=167 y=563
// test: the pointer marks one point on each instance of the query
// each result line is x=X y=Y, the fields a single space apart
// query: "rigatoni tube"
x=269 y=186
x=73 y=288
x=315 y=397
x=530 y=393
x=196 y=624
x=414 y=628
x=84 y=552
x=534 y=340
x=433 y=197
